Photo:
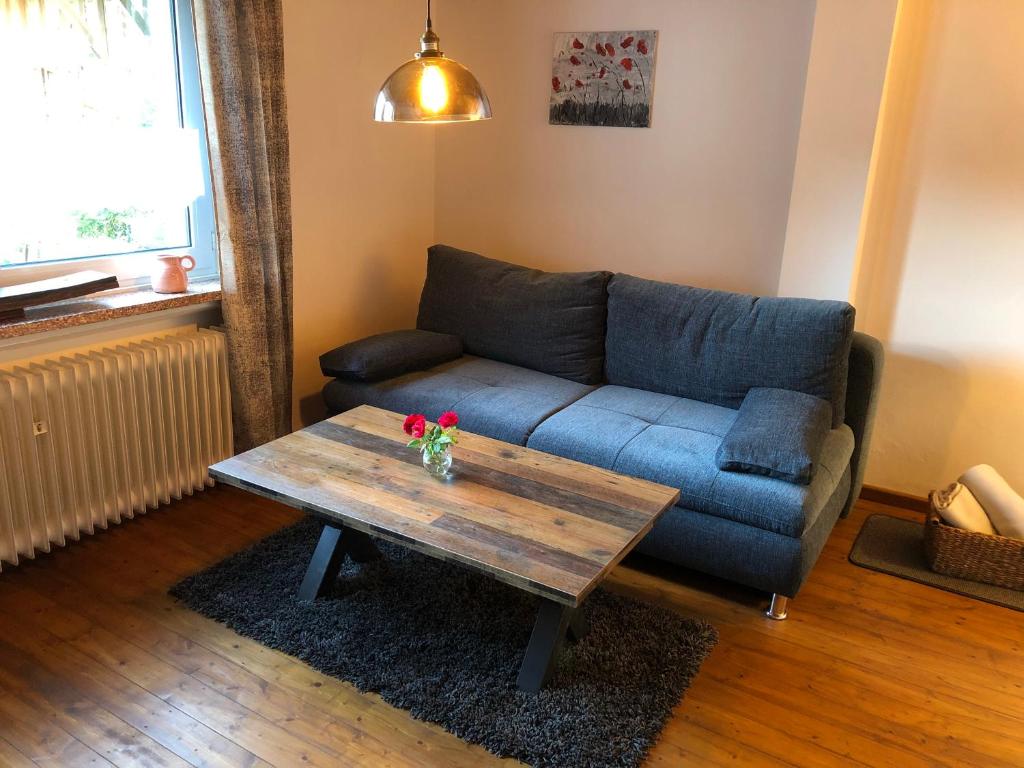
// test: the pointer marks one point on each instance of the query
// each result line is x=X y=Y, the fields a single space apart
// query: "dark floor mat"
x=895 y=546
x=445 y=644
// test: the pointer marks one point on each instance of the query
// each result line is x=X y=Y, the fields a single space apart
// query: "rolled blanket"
x=1005 y=508
x=957 y=506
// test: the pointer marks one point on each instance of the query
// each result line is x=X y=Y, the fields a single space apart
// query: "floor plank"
x=55 y=700
x=98 y=666
x=11 y=757
x=41 y=740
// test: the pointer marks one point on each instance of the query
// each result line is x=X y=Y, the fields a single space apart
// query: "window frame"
x=133 y=268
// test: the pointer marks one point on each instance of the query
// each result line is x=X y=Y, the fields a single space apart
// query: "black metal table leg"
x=578 y=626
x=548 y=634
x=335 y=543
x=325 y=564
x=360 y=547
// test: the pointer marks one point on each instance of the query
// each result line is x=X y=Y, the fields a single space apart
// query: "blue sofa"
x=645 y=378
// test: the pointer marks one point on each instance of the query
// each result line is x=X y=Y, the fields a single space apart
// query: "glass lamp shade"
x=431 y=89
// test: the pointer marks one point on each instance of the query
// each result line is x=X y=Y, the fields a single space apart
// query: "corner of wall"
x=850 y=54
x=780 y=277
x=891 y=112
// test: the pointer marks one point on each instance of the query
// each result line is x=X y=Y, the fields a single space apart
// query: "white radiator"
x=94 y=438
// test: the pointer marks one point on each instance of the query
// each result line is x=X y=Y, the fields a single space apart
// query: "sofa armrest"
x=391 y=354
x=866 y=361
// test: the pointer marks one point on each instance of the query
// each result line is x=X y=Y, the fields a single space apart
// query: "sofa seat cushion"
x=743 y=553
x=495 y=399
x=673 y=440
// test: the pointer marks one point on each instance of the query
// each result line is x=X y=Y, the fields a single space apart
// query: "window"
x=103 y=157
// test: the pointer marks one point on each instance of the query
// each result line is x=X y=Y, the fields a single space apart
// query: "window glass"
x=102 y=152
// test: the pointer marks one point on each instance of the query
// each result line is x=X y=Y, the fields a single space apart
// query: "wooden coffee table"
x=543 y=524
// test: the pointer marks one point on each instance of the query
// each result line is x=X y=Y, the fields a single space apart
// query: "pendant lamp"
x=431 y=88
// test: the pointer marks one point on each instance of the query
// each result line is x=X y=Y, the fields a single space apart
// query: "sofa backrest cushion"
x=553 y=322
x=714 y=346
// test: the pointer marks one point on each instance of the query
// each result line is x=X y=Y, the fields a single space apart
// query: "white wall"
x=941 y=278
x=849 y=52
x=362 y=192
x=704 y=195
x=700 y=197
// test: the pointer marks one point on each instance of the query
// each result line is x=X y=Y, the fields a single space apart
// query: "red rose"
x=575 y=60
x=642 y=47
x=577 y=44
x=599 y=48
x=627 y=64
x=415 y=424
x=627 y=42
x=609 y=49
x=556 y=84
x=579 y=83
x=448 y=419
x=601 y=73
x=626 y=84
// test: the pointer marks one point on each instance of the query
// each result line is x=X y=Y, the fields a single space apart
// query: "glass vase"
x=438 y=464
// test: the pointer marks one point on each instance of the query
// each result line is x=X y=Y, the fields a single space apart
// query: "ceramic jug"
x=169 y=273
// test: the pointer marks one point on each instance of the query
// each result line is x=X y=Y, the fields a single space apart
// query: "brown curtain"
x=241 y=63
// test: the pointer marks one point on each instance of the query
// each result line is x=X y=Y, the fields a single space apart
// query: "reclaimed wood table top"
x=544 y=524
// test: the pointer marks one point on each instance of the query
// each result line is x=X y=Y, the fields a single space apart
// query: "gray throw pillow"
x=553 y=322
x=391 y=354
x=778 y=433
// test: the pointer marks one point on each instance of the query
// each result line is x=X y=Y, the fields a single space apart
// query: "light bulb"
x=433 y=89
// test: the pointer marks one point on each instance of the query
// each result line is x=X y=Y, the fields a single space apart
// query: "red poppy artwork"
x=603 y=78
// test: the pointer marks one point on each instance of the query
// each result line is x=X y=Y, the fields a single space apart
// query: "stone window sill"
x=106 y=305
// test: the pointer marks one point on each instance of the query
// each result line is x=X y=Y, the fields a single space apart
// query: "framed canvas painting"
x=603 y=78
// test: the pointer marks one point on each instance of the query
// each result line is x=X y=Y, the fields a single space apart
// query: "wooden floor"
x=98 y=667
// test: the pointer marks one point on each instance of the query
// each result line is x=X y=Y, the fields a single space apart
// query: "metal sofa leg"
x=778 y=609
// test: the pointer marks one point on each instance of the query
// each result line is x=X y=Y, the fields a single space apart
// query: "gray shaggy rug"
x=445 y=644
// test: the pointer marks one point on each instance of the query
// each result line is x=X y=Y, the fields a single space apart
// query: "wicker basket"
x=975 y=556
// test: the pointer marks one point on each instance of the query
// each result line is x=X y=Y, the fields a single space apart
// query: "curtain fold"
x=241 y=63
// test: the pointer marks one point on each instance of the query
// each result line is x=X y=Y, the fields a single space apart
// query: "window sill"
x=106 y=305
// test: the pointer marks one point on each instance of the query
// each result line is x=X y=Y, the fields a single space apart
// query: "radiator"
x=95 y=438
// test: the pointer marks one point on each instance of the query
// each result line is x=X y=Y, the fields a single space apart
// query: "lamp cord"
x=430 y=24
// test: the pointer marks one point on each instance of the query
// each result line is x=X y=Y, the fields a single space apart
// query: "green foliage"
x=435 y=440
x=112 y=225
